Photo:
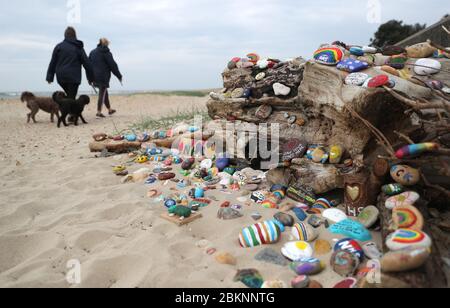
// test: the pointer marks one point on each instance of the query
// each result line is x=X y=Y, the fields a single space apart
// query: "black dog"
x=73 y=107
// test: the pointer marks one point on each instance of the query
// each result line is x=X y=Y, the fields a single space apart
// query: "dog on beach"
x=35 y=104
x=72 y=107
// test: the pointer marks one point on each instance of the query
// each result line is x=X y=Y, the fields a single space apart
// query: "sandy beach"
x=60 y=203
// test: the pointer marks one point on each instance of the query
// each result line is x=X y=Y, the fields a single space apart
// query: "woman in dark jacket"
x=103 y=65
x=67 y=59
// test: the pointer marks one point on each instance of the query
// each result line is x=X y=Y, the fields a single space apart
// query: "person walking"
x=67 y=61
x=103 y=64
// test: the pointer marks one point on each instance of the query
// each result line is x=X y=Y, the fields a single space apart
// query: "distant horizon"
x=173 y=44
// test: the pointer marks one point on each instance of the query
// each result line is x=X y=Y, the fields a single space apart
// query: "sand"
x=58 y=203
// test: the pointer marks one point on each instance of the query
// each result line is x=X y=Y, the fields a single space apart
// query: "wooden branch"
x=417 y=105
x=404 y=137
x=435 y=187
x=435 y=45
x=445 y=29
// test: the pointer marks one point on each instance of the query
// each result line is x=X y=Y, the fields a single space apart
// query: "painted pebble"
x=352 y=229
x=267 y=232
x=344 y=263
x=408 y=239
x=356 y=79
x=301 y=215
x=406 y=198
x=349 y=283
x=424 y=67
x=404 y=260
x=304 y=232
x=351 y=246
x=371 y=251
x=308 y=266
x=393 y=189
x=296 y=251
x=407 y=217
x=329 y=55
x=322 y=247
x=300 y=282
x=405 y=175
x=285 y=219
x=369 y=216
x=334 y=215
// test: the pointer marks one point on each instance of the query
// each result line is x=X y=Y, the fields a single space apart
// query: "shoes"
x=112 y=112
x=100 y=116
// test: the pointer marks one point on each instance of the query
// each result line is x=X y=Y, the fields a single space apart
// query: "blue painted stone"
x=352 y=66
x=350 y=245
x=301 y=215
x=356 y=51
x=351 y=229
x=131 y=138
x=170 y=203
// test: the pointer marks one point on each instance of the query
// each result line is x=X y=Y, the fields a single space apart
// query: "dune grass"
x=188 y=93
x=148 y=123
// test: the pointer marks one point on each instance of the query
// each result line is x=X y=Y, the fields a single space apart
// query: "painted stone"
x=351 y=246
x=368 y=58
x=231 y=65
x=405 y=175
x=253 y=57
x=407 y=217
x=308 y=266
x=372 y=251
x=356 y=51
x=281 y=90
x=378 y=81
x=315 y=285
x=318 y=155
x=435 y=84
x=424 y=67
x=260 y=76
x=369 y=216
x=304 y=232
x=345 y=263
x=369 y=49
x=188 y=163
x=406 y=198
x=300 y=282
x=271 y=256
x=247 y=93
x=393 y=189
x=237 y=93
x=352 y=66
x=334 y=215
x=408 y=239
x=352 y=229
x=393 y=50
x=329 y=55
x=301 y=215
x=356 y=79
x=302 y=194
x=441 y=54
x=226 y=258
x=263 y=64
x=336 y=152
x=249 y=277
x=286 y=219
x=228 y=214
x=263 y=112
x=296 y=251
x=315 y=221
x=293 y=148
x=415 y=150
x=390 y=70
x=267 y=232
x=349 y=283
x=222 y=163
x=404 y=260
x=275 y=284
x=421 y=50
x=322 y=247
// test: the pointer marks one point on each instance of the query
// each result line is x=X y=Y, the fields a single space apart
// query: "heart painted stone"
x=353 y=192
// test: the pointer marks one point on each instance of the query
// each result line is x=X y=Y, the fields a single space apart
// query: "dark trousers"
x=103 y=98
x=71 y=89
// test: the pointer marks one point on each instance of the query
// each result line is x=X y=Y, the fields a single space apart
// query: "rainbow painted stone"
x=406 y=198
x=408 y=239
x=267 y=232
x=304 y=232
x=414 y=150
x=329 y=55
x=407 y=217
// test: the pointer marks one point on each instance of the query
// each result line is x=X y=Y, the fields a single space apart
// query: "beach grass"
x=189 y=93
x=147 y=123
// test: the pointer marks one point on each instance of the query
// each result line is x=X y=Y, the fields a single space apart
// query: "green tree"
x=393 y=32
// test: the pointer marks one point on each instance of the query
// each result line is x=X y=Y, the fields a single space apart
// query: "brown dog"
x=35 y=104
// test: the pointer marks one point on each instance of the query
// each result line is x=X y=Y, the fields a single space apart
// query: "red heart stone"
x=378 y=81
x=349 y=283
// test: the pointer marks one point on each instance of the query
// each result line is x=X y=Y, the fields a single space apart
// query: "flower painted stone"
x=352 y=229
x=406 y=198
x=408 y=239
x=352 y=66
x=356 y=79
x=405 y=175
x=329 y=55
x=296 y=251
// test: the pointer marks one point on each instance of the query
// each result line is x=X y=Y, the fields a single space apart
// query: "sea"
x=16 y=95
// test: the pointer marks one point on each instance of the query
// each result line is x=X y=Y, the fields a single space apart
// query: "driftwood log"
x=114 y=147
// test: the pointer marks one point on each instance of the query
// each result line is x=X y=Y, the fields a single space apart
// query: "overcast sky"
x=185 y=44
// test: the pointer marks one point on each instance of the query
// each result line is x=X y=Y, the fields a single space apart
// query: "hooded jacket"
x=67 y=59
x=103 y=65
